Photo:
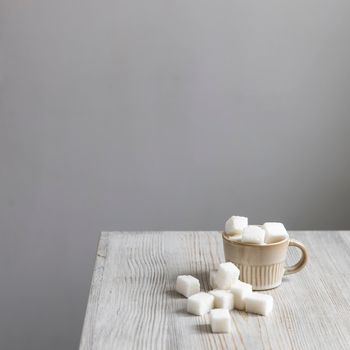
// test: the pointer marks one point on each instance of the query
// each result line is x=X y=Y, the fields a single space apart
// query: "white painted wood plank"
x=87 y=338
x=132 y=303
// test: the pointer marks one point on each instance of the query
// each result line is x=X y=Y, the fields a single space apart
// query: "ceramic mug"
x=263 y=266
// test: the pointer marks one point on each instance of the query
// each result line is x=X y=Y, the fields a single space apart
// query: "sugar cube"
x=227 y=274
x=235 y=238
x=274 y=232
x=212 y=278
x=220 y=321
x=240 y=291
x=200 y=303
x=259 y=303
x=223 y=299
x=235 y=224
x=187 y=285
x=253 y=234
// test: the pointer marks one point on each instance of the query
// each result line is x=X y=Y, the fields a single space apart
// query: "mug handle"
x=302 y=261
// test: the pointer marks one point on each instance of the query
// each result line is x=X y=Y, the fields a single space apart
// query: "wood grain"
x=132 y=303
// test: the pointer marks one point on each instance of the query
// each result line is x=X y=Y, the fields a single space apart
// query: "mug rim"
x=253 y=244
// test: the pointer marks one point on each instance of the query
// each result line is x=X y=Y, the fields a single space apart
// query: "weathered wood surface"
x=132 y=303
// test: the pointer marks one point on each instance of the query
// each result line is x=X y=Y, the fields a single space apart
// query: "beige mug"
x=263 y=266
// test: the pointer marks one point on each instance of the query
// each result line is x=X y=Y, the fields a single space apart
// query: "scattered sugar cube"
x=187 y=285
x=223 y=299
x=253 y=234
x=227 y=274
x=259 y=303
x=200 y=303
x=220 y=321
x=235 y=224
x=240 y=290
x=212 y=278
x=274 y=232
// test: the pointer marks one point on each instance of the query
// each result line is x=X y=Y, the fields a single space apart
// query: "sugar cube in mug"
x=253 y=234
x=274 y=232
x=235 y=224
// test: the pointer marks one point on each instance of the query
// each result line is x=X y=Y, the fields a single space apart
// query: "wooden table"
x=133 y=305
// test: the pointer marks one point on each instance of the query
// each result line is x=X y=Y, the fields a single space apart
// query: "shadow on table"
x=202 y=328
x=183 y=312
x=173 y=294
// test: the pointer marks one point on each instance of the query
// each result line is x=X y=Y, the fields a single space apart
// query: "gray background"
x=158 y=115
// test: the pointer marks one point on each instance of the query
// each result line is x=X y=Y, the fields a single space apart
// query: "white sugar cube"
x=240 y=291
x=227 y=274
x=235 y=238
x=220 y=321
x=253 y=234
x=223 y=299
x=259 y=303
x=212 y=279
x=274 y=232
x=187 y=285
x=235 y=224
x=200 y=303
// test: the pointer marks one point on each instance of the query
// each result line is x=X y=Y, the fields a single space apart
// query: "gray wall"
x=159 y=115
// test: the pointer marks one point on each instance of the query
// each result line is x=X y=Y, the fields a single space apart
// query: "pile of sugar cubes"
x=237 y=229
x=228 y=293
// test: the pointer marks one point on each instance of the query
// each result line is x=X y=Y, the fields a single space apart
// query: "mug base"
x=272 y=286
